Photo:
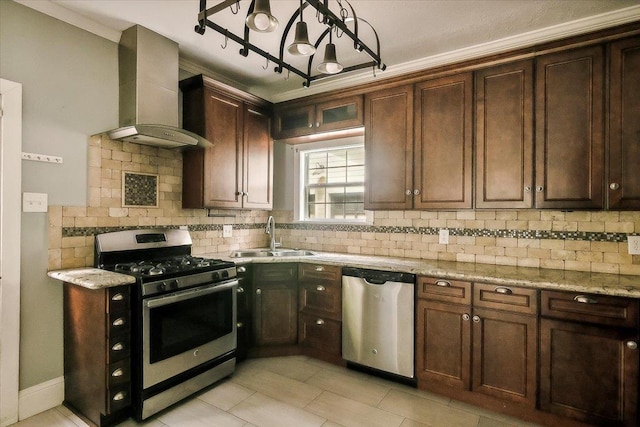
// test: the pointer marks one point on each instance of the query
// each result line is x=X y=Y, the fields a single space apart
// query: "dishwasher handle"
x=379 y=277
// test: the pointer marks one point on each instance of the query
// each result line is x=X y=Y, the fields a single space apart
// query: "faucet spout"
x=271 y=231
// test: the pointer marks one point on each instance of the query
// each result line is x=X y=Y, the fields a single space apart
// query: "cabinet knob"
x=632 y=345
x=539 y=188
x=476 y=319
x=320 y=288
x=258 y=291
x=614 y=186
x=527 y=189
x=504 y=291
x=408 y=192
x=118 y=322
x=117 y=297
x=443 y=283
x=320 y=322
x=242 y=269
x=466 y=317
x=239 y=325
x=119 y=396
x=117 y=373
x=319 y=268
x=240 y=289
x=416 y=192
x=583 y=299
x=117 y=346
x=310 y=125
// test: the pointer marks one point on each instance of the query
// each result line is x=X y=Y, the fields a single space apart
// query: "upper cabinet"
x=237 y=170
x=388 y=142
x=624 y=125
x=569 y=136
x=307 y=119
x=443 y=142
x=504 y=136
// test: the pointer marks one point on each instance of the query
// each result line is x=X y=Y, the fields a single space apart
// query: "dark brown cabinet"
x=97 y=363
x=486 y=344
x=320 y=318
x=275 y=304
x=443 y=143
x=569 y=135
x=504 y=136
x=237 y=170
x=589 y=358
x=388 y=120
x=334 y=114
x=624 y=125
x=244 y=318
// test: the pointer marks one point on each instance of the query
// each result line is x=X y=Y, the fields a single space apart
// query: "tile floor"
x=299 y=391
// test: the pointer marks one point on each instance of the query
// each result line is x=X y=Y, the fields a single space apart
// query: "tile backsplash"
x=578 y=240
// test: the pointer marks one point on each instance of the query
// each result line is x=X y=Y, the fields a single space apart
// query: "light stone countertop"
x=92 y=278
x=539 y=278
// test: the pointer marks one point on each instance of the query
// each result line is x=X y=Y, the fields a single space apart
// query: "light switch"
x=34 y=202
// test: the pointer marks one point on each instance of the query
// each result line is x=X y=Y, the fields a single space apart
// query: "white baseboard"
x=40 y=397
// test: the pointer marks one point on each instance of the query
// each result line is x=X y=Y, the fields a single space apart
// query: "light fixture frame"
x=330 y=19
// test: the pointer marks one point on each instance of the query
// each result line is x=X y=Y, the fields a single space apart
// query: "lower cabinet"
x=589 y=358
x=275 y=304
x=97 y=364
x=244 y=318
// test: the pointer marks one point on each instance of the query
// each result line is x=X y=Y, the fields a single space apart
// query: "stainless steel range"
x=183 y=314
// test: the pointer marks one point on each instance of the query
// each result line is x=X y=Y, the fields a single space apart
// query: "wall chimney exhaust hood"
x=148 y=73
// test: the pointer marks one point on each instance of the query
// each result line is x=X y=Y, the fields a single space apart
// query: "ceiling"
x=413 y=34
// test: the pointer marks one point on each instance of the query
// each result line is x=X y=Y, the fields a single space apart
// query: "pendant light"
x=330 y=64
x=301 y=45
x=261 y=19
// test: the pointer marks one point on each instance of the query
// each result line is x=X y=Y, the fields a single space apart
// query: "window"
x=331 y=183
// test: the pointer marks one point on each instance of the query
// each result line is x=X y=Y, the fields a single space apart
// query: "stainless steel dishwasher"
x=378 y=320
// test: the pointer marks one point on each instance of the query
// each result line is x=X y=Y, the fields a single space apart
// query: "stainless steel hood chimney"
x=148 y=73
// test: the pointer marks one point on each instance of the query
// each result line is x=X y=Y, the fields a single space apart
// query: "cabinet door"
x=443 y=344
x=275 y=313
x=388 y=141
x=569 y=138
x=589 y=372
x=337 y=114
x=321 y=334
x=443 y=153
x=258 y=160
x=624 y=125
x=505 y=355
x=295 y=121
x=504 y=136
x=223 y=161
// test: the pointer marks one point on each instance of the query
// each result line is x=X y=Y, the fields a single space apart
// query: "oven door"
x=184 y=329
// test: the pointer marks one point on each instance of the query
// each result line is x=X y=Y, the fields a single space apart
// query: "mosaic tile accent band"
x=467 y=232
x=139 y=189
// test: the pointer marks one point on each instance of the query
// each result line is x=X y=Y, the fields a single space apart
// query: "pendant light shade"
x=301 y=45
x=261 y=19
x=330 y=64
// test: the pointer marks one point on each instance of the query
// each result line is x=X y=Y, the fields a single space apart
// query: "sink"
x=255 y=253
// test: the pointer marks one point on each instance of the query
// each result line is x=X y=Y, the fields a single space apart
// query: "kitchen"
x=59 y=122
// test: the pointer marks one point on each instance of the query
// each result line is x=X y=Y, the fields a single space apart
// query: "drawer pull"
x=119 y=396
x=319 y=322
x=632 y=345
x=117 y=347
x=118 y=322
x=320 y=288
x=583 y=299
x=117 y=373
x=239 y=325
x=240 y=289
x=117 y=297
x=319 y=268
x=258 y=291
x=443 y=283
x=504 y=291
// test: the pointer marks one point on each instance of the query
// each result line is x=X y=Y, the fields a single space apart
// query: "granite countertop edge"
x=539 y=278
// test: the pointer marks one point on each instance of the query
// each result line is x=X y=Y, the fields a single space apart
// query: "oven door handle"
x=190 y=293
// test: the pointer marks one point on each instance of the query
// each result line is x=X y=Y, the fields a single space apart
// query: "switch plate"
x=34 y=202
x=227 y=230
x=634 y=245
x=443 y=237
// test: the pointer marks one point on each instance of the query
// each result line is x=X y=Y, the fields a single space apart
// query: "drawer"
x=119 y=323
x=119 y=373
x=507 y=298
x=590 y=308
x=322 y=299
x=285 y=272
x=118 y=299
x=119 y=347
x=118 y=398
x=328 y=274
x=320 y=333
x=454 y=291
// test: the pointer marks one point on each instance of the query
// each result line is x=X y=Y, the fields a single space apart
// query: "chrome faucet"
x=271 y=231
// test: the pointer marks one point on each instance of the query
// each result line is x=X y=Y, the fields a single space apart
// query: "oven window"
x=186 y=325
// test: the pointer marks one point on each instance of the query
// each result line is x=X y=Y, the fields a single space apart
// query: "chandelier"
x=342 y=23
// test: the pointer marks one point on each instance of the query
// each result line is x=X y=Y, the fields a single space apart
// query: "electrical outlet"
x=634 y=245
x=34 y=202
x=443 y=236
x=227 y=230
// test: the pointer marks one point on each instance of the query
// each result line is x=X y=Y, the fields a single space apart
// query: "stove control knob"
x=225 y=274
x=173 y=284
x=161 y=287
x=216 y=275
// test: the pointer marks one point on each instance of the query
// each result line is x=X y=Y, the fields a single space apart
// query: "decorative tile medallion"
x=139 y=190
